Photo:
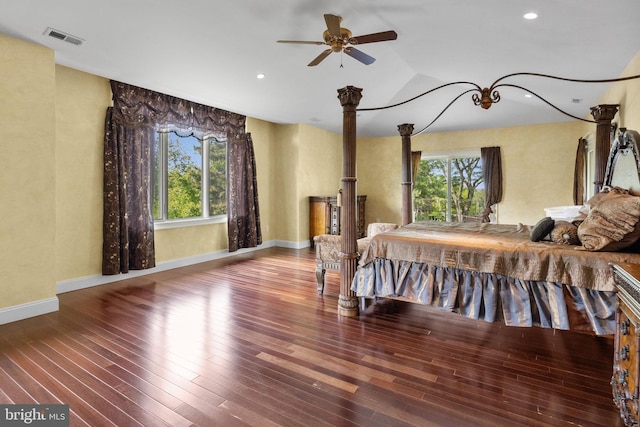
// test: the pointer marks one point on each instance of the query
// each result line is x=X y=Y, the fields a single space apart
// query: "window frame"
x=449 y=156
x=205 y=184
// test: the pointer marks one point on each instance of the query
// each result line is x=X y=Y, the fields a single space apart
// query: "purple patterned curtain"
x=578 y=173
x=130 y=129
x=242 y=196
x=492 y=175
x=135 y=106
x=128 y=222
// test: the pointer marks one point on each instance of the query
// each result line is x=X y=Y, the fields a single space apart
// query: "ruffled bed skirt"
x=490 y=297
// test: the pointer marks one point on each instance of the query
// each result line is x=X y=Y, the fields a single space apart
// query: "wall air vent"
x=56 y=34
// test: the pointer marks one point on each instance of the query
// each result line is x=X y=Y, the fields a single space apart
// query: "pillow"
x=565 y=232
x=542 y=229
x=612 y=223
x=596 y=198
x=380 y=227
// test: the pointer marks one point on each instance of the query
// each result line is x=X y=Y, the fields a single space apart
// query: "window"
x=189 y=177
x=449 y=188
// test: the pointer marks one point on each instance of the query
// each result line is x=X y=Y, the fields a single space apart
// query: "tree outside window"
x=217 y=177
x=449 y=189
x=180 y=190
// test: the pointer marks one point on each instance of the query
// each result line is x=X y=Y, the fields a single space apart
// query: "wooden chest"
x=626 y=360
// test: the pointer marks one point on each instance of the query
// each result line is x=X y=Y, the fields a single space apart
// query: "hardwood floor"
x=247 y=341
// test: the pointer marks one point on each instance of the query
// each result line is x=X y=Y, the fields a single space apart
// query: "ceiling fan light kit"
x=341 y=40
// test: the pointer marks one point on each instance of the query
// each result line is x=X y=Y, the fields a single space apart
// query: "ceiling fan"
x=340 y=40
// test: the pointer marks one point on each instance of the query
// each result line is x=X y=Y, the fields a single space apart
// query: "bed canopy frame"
x=350 y=97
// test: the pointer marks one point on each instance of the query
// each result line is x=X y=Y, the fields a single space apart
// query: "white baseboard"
x=292 y=245
x=87 y=282
x=36 y=308
x=30 y=309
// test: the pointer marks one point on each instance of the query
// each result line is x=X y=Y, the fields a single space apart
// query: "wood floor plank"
x=247 y=341
x=116 y=386
x=14 y=380
x=274 y=382
x=82 y=411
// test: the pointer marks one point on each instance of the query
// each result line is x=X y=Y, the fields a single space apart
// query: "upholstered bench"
x=329 y=246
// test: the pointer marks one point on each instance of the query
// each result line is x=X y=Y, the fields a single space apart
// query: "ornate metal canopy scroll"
x=487 y=96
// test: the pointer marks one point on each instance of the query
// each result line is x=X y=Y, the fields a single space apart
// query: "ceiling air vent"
x=56 y=34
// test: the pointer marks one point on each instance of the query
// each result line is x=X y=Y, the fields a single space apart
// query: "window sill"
x=190 y=222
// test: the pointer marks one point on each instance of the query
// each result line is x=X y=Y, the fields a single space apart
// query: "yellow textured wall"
x=320 y=162
x=27 y=172
x=81 y=103
x=264 y=145
x=627 y=94
x=286 y=198
x=308 y=162
x=183 y=242
x=319 y=170
x=379 y=170
x=535 y=159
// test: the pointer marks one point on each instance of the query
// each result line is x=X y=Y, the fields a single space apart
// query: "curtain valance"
x=130 y=130
x=135 y=106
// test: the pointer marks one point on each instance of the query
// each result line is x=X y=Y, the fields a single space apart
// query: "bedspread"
x=501 y=249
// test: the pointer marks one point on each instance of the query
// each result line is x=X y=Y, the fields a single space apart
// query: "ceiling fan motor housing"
x=337 y=43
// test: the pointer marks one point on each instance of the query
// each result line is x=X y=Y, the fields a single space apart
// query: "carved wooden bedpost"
x=347 y=301
x=603 y=114
x=407 y=180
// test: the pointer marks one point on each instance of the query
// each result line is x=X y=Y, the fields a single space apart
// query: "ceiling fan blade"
x=333 y=24
x=359 y=55
x=301 y=42
x=375 y=37
x=320 y=57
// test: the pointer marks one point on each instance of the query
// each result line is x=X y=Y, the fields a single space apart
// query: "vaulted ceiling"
x=212 y=51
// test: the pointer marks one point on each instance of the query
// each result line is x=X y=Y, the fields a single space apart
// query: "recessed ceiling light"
x=260 y=76
x=530 y=15
x=528 y=95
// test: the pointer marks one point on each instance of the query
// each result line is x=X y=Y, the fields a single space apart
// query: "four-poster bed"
x=560 y=287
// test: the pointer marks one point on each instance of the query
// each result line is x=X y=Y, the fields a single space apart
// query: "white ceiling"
x=211 y=51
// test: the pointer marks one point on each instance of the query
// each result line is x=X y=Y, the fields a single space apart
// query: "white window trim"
x=430 y=155
x=205 y=219
x=452 y=154
x=188 y=222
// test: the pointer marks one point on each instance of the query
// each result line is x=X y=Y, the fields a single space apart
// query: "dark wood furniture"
x=324 y=216
x=625 y=379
